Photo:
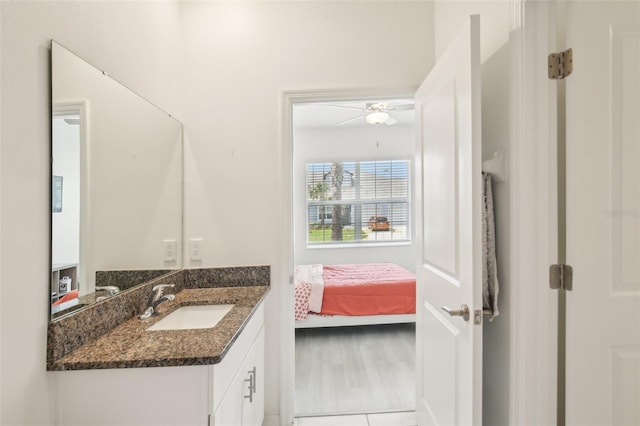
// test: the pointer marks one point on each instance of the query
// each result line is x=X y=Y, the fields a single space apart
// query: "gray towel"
x=489 y=265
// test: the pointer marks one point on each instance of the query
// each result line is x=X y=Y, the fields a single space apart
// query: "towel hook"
x=496 y=166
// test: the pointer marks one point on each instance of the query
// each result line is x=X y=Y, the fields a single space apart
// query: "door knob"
x=462 y=312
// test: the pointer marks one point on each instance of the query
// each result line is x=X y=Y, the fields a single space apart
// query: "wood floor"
x=344 y=370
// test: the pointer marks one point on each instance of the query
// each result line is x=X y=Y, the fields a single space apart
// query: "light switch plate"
x=195 y=248
x=170 y=250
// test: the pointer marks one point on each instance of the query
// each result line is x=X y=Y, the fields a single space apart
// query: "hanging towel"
x=489 y=265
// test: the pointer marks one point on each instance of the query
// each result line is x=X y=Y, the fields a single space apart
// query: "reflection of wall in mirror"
x=134 y=166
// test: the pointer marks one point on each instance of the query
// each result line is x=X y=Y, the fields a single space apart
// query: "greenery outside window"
x=358 y=202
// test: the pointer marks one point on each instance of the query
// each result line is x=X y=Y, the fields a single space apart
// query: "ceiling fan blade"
x=391 y=121
x=404 y=107
x=349 y=120
x=345 y=106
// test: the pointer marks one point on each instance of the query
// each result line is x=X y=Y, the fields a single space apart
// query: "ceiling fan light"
x=377 y=117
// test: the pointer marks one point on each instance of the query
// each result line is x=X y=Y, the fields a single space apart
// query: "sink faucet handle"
x=158 y=298
x=159 y=286
x=158 y=289
x=110 y=289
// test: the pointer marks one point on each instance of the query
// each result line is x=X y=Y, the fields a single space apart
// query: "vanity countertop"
x=131 y=345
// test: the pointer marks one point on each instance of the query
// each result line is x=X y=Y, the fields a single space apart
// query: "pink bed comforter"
x=362 y=289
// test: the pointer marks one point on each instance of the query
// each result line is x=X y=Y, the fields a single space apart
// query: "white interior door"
x=449 y=272
x=603 y=213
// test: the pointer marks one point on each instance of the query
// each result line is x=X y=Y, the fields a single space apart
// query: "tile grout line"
x=365 y=415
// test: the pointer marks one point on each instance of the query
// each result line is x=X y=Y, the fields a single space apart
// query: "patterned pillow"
x=302 y=293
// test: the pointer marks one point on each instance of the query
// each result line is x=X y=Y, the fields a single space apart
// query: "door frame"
x=533 y=230
x=285 y=273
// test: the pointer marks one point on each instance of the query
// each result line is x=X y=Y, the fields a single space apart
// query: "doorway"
x=448 y=102
x=357 y=368
x=69 y=150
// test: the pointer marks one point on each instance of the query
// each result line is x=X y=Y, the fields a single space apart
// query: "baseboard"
x=273 y=420
x=315 y=321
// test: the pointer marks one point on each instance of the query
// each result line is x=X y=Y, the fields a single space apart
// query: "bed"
x=353 y=294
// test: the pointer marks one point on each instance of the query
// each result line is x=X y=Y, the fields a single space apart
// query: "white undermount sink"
x=193 y=316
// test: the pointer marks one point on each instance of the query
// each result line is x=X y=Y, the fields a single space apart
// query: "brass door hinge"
x=560 y=64
x=561 y=277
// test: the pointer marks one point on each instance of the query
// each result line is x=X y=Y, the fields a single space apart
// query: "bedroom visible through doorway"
x=354 y=256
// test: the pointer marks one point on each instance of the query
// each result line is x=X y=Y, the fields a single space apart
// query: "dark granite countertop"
x=130 y=345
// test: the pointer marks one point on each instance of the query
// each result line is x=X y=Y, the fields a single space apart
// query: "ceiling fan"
x=376 y=113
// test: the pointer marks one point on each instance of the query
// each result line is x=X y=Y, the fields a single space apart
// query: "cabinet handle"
x=255 y=378
x=250 y=396
x=252 y=384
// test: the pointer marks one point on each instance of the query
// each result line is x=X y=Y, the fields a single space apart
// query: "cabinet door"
x=253 y=408
x=243 y=403
x=229 y=412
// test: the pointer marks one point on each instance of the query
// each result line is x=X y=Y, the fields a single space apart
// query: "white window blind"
x=358 y=202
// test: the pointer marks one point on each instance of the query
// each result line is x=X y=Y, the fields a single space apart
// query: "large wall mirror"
x=116 y=175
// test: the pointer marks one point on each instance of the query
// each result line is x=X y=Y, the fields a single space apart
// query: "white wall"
x=239 y=58
x=137 y=43
x=494 y=23
x=494 y=30
x=312 y=145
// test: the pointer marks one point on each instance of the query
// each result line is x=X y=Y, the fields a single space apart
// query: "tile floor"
x=404 y=418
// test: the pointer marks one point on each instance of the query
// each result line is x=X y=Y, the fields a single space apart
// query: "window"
x=358 y=202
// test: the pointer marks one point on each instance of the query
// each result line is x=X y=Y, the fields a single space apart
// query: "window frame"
x=357 y=202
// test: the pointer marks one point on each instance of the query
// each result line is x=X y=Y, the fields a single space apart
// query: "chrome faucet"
x=109 y=289
x=158 y=298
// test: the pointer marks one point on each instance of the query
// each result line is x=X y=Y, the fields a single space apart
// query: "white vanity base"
x=205 y=395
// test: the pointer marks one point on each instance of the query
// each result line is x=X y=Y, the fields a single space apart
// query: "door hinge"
x=561 y=277
x=560 y=64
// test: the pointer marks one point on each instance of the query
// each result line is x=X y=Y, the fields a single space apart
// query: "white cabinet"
x=204 y=395
x=64 y=279
x=60 y=286
x=159 y=396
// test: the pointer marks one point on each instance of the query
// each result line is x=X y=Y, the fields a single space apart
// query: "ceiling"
x=329 y=114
